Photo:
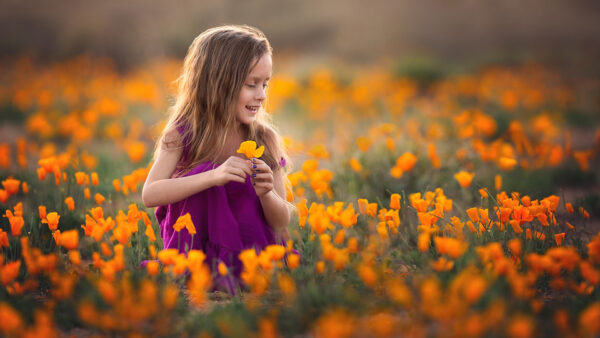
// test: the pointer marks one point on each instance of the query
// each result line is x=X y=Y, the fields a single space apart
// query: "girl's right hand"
x=233 y=169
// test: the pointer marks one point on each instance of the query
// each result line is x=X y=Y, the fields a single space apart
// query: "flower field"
x=461 y=204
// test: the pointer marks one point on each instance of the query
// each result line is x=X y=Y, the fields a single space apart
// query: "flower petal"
x=258 y=152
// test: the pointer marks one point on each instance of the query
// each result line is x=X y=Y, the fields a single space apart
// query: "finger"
x=264 y=168
x=235 y=178
x=261 y=164
x=262 y=185
x=255 y=164
x=266 y=177
x=238 y=172
x=243 y=167
x=238 y=161
x=246 y=168
x=262 y=182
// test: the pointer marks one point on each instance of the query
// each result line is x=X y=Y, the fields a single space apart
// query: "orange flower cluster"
x=451 y=267
x=319 y=179
x=257 y=269
x=428 y=219
x=131 y=181
x=140 y=305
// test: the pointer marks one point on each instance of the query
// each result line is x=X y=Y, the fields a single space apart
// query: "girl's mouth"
x=253 y=109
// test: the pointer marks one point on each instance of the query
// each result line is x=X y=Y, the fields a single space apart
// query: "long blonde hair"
x=214 y=71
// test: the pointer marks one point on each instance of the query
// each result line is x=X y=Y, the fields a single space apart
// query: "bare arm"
x=161 y=189
x=270 y=189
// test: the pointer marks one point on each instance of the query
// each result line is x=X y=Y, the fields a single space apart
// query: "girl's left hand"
x=262 y=177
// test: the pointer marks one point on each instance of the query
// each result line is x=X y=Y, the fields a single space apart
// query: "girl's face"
x=253 y=91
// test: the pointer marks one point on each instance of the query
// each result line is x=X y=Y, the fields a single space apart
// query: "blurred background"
x=454 y=32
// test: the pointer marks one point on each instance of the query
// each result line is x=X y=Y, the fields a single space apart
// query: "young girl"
x=235 y=203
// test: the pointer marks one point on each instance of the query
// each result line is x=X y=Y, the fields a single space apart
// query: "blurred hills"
x=357 y=31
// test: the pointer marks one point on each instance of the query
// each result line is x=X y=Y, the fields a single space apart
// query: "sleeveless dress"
x=228 y=219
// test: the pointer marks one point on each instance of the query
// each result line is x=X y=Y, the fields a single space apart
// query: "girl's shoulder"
x=173 y=135
x=181 y=133
x=171 y=140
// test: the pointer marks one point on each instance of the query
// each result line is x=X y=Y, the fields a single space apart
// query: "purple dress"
x=228 y=219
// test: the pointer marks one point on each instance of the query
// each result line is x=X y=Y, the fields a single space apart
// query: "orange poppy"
x=94 y=178
x=473 y=214
x=406 y=162
x=153 y=268
x=498 y=182
x=136 y=151
x=363 y=143
x=117 y=185
x=355 y=165
x=395 y=201
x=3 y=239
x=52 y=220
x=569 y=207
x=82 y=178
x=506 y=163
x=559 y=238
x=183 y=222
x=464 y=178
x=99 y=198
x=4 y=195
x=70 y=239
x=275 y=252
x=222 y=269
x=70 y=203
x=16 y=223
x=11 y=185
x=293 y=261
x=42 y=211
x=150 y=233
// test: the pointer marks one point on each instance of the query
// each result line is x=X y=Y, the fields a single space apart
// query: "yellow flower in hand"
x=248 y=148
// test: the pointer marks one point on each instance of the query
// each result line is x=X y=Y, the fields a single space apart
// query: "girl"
x=234 y=203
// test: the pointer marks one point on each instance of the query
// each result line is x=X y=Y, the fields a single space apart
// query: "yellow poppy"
x=249 y=149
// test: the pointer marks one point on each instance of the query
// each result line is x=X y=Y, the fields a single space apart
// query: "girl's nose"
x=261 y=94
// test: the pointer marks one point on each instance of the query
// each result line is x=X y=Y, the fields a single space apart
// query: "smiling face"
x=253 y=92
